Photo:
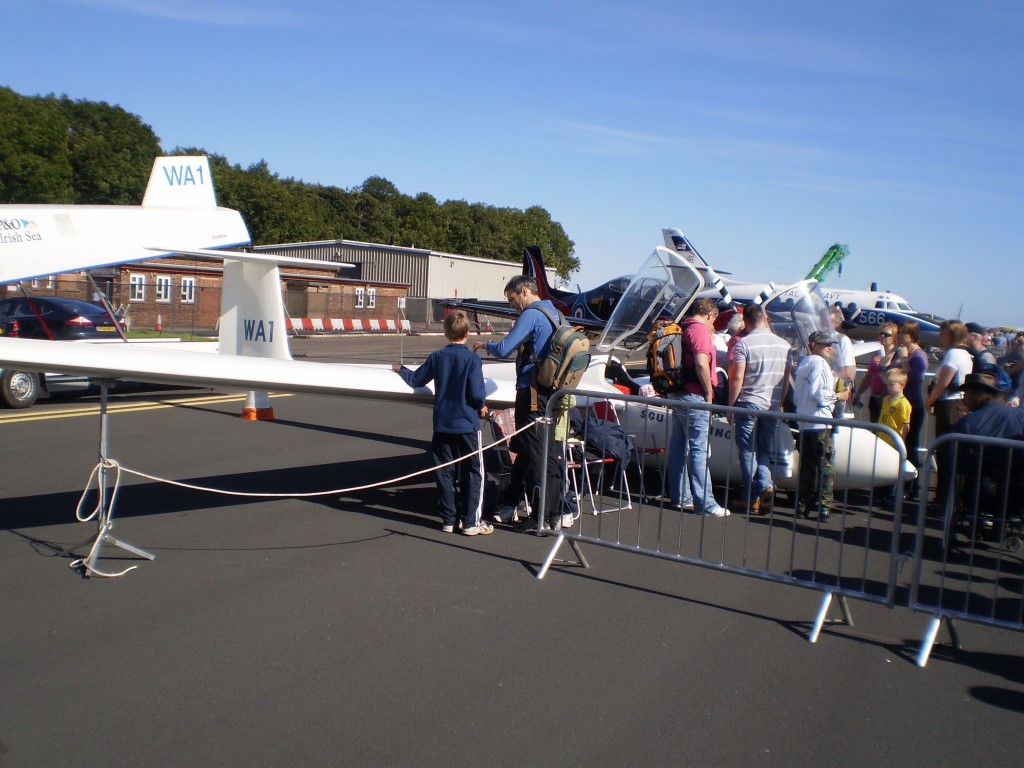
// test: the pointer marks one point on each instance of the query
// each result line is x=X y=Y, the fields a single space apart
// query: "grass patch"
x=145 y=333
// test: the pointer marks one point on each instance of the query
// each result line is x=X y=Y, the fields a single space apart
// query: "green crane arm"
x=833 y=257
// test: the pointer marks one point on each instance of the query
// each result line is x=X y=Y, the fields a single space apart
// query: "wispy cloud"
x=898 y=189
x=220 y=13
x=791 y=165
x=606 y=140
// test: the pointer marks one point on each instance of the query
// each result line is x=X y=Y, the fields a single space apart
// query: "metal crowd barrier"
x=968 y=562
x=853 y=555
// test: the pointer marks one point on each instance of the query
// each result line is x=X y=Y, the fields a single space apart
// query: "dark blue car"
x=65 y=318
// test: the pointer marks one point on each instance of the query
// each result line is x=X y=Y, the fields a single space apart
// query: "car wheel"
x=19 y=389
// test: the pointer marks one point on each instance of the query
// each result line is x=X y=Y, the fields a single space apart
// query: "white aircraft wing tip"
x=267 y=258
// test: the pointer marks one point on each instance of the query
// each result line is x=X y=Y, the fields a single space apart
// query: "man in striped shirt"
x=758 y=377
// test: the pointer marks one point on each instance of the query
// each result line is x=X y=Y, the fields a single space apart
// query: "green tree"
x=340 y=211
x=276 y=211
x=110 y=150
x=34 y=165
x=420 y=218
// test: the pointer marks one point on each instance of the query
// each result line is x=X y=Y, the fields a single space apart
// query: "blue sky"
x=764 y=130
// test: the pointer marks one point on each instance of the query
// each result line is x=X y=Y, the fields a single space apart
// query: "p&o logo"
x=18 y=230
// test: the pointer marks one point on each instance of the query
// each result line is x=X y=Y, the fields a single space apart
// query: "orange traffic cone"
x=257 y=407
x=159 y=324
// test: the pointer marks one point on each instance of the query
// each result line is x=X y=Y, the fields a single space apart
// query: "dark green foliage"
x=111 y=152
x=55 y=150
x=34 y=162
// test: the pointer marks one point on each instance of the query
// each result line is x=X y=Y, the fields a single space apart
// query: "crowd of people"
x=977 y=390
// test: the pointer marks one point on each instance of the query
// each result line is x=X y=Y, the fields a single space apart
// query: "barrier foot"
x=551 y=556
x=822 y=616
x=579 y=553
x=845 y=608
x=954 y=636
x=928 y=641
x=822 y=612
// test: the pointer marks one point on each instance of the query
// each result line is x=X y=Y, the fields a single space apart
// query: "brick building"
x=183 y=295
x=380 y=284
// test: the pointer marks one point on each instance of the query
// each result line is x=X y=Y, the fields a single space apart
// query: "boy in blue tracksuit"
x=458 y=407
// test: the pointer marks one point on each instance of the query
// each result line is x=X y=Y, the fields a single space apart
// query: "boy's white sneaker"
x=479 y=530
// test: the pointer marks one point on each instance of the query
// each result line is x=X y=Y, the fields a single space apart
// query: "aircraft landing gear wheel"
x=19 y=389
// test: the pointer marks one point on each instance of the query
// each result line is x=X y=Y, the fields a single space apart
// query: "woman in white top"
x=946 y=400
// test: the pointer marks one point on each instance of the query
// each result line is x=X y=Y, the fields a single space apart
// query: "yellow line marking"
x=145 y=405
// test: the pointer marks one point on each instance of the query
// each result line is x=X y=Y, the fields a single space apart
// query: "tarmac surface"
x=347 y=629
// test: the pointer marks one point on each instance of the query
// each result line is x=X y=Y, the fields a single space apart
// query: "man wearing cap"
x=814 y=394
x=989 y=416
x=991 y=477
x=983 y=358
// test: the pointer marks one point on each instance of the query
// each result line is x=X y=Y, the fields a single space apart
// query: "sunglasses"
x=885 y=335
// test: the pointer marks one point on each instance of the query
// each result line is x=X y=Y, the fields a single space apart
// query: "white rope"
x=81 y=563
x=107 y=463
x=111 y=463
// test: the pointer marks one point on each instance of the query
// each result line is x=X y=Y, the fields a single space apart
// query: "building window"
x=51 y=282
x=360 y=298
x=163 y=289
x=136 y=288
x=34 y=283
x=188 y=290
x=371 y=298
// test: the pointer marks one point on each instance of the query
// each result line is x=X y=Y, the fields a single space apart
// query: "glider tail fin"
x=180 y=182
x=252 y=319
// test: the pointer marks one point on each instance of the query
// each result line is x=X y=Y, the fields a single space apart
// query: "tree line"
x=58 y=150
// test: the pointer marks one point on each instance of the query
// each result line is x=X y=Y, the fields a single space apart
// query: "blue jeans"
x=754 y=440
x=689 y=479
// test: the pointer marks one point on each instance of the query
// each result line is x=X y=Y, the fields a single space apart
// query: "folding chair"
x=642 y=444
x=589 y=451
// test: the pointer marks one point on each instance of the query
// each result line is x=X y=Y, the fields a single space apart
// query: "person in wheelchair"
x=985 y=394
x=990 y=479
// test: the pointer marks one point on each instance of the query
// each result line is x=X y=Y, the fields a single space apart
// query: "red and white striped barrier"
x=326 y=324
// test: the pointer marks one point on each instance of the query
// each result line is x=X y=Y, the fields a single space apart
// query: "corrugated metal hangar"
x=427 y=274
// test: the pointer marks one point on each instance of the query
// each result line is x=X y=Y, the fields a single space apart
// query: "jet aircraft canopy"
x=663 y=287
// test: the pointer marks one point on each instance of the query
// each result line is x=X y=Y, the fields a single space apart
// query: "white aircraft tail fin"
x=180 y=182
x=676 y=241
x=252 y=321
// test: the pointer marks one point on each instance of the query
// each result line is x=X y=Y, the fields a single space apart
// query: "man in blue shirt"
x=992 y=478
x=529 y=337
x=985 y=394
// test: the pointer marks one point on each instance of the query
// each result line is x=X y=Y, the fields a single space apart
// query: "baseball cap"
x=823 y=337
x=975 y=328
x=992 y=378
